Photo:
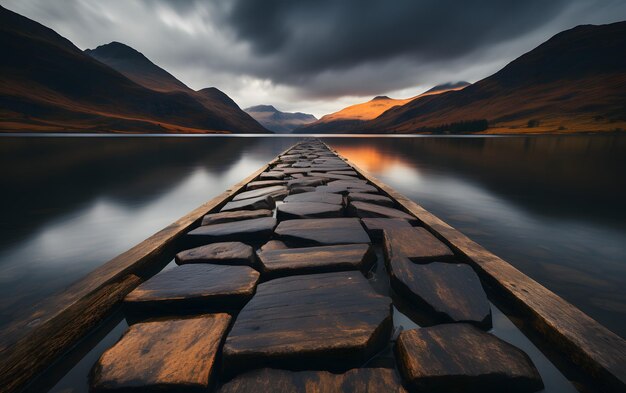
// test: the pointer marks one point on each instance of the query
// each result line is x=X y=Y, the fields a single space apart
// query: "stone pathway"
x=283 y=290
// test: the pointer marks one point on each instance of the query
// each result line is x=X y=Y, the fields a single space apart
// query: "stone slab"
x=299 y=210
x=364 y=210
x=235 y=215
x=362 y=380
x=416 y=243
x=273 y=245
x=336 y=176
x=225 y=253
x=307 y=260
x=262 y=202
x=194 y=287
x=253 y=185
x=330 y=320
x=259 y=192
x=370 y=198
x=323 y=231
x=272 y=175
x=447 y=292
x=323 y=197
x=256 y=230
x=376 y=226
x=169 y=355
x=461 y=358
x=306 y=182
x=346 y=188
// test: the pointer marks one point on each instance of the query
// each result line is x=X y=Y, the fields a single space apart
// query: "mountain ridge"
x=573 y=82
x=50 y=85
x=278 y=121
x=354 y=116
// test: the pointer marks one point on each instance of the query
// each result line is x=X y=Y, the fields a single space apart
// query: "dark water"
x=549 y=205
x=70 y=204
x=552 y=205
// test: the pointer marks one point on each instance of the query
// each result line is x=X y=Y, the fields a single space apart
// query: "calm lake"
x=550 y=205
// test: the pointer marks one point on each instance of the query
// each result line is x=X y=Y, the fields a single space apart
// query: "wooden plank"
x=597 y=351
x=31 y=343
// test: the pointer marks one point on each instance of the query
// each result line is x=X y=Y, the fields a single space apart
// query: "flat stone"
x=301 y=189
x=253 y=185
x=227 y=253
x=417 y=244
x=193 y=287
x=307 y=260
x=330 y=320
x=461 y=358
x=172 y=355
x=273 y=190
x=256 y=230
x=273 y=245
x=272 y=175
x=370 y=198
x=292 y=171
x=328 y=168
x=306 y=182
x=364 y=210
x=360 y=380
x=262 y=202
x=447 y=292
x=348 y=173
x=293 y=210
x=323 y=197
x=376 y=226
x=237 y=215
x=326 y=231
x=336 y=176
x=346 y=188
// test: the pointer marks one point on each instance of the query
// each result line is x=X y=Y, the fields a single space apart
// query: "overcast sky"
x=318 y=56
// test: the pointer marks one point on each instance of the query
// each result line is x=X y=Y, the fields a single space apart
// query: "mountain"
x=355 y=116
x=135 y=66
x=47 y=84
x=277 y=121
x=574 y=82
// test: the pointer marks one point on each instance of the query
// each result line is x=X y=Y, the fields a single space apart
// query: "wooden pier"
x=272 y=292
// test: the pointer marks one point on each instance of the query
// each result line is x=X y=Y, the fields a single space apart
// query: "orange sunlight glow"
x=370 y=159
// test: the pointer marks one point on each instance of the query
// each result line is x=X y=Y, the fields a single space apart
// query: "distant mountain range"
x=574 y=82
x=49 y=85
x=356 y=116
x=277 y=121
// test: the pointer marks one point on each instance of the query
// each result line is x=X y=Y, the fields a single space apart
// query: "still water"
x=551 y=205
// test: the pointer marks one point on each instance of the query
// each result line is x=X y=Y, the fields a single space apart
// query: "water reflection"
x=552 y=206
x=71 y=204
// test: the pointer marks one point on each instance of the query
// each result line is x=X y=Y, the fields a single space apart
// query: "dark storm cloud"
x=312 y=36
